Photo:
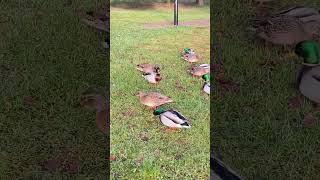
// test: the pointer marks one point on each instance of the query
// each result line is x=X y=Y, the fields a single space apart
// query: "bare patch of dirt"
x=143 y=6
x=192 y=23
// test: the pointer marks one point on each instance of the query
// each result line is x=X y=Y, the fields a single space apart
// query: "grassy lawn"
x=157 y=154
x=46 y=53
x=255 y=131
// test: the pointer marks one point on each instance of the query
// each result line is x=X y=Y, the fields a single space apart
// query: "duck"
x=283 y=30
x=199 y=70
x=206 y=85
x=171 y=118
x=93 y=99
x=148 y=68
x=152 y=77
x=191 y=58
x=153 y=99
x=187 y=51
x=308 y=80
x=300 y=12
x=99 y=19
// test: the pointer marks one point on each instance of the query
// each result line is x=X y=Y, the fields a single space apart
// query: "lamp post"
x=175 y=20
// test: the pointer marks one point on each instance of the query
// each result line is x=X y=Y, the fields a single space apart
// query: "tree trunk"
x=200 y=2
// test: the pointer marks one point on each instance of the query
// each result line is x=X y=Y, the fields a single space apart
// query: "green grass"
x=255 y=131
x=131 y=45
x=48 y=53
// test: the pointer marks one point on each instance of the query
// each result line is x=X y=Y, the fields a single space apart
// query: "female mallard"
x=191 y=58
x=283 y=30
x=199 y=70
x=93 y=99
x=206 y=86
x=152 y=77
x=153 y=99
x=97 y=19
x=148 y=68
x=172 y=118
x=300 y=12
x=309 y=76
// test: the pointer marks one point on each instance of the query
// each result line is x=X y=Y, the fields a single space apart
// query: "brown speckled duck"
x=199 y=70
x=148 y=68
x=95 y=100
x=284 y=30
x=153 y=99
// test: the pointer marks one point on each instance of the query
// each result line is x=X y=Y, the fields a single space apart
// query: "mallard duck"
x=191 y=58
x=220 y=171
x=309 y=51
x=187 y=51
x=309 y=84
x=152 y=77
x=148 y=68
x=153 y=99
x=95 y=100
x=172 y=118
x=199 y=70
x=206 y=86
x=302 y=13
x=283 y=30
x=298 y=12
x=309 y=75
x=99 y=19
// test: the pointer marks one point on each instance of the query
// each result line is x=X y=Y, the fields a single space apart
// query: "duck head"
x=206 y=77
x=309 y=51
x=158 y=111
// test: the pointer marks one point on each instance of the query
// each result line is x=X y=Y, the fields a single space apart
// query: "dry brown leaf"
x=143 y=136
x=295 y=102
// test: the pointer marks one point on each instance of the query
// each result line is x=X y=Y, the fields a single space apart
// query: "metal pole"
x=175 y=20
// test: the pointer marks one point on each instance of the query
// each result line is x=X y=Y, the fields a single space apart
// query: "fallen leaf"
x=29 y=101
x=295 y=102
x=143 y=136
x=193 y=81
x=113 y=158
x=180 y=86
x=138 y=162
x=178 y=157
x=157 y=152
x=309 y=120
x=71 y=166
x=53 y=164
x=227 y=84
x=129 y=113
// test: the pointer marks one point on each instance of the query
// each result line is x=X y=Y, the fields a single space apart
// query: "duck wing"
x=175 y=116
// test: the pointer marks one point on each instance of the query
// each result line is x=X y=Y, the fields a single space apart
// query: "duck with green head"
x=172 y=118
x=188 y=51
x=206 y=86
x=309 y=76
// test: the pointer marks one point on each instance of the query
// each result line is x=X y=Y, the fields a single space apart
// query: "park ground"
x=259 y=126
x=140 y=146
x=47 y=59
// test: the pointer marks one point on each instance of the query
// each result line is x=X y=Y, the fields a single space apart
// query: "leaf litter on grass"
x=309 y=120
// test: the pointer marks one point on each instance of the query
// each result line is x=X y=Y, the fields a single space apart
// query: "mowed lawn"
x=255 y=130
x=47 y=59
x=140 y=146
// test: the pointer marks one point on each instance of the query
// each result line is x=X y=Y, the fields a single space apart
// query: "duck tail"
x=185 y=125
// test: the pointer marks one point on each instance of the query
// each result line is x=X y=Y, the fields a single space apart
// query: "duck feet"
x=171 y=129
